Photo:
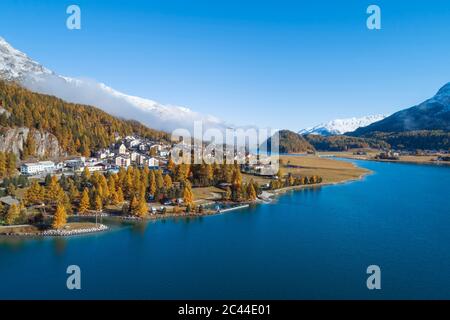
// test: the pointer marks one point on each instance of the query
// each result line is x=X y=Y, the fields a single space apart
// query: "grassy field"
x=206 y=193
x=429 y=159
x=330 y=170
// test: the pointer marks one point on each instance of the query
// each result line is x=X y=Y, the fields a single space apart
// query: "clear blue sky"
x=284 y=64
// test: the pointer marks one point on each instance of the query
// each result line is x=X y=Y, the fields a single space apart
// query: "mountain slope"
x=432 y=114
x=291 y=142
x=16 y=66
x=341 y=126
x=78 y=128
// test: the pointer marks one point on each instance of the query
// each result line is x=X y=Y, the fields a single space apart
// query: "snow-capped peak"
x=341 y=126
x=17 y=66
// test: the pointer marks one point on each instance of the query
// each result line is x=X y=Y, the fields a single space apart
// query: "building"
x=37 y=167
x=153 y=162
x=100 y=166
x=9 y=201
x=75 y=162
x=122 y=149
x=134 y=156
x=142 y=160
x=122 y=161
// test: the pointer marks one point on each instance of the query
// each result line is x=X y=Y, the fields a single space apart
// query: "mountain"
x=432 y=114
x=341 y=126
x=58 y=126
x=16 y=66
x=291 y=142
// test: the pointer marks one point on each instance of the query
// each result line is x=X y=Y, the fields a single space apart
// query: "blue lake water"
x=310 y=244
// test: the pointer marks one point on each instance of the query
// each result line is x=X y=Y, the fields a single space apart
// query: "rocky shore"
x=62 y=232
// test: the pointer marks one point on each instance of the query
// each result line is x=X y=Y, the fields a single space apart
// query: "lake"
x=309 y=244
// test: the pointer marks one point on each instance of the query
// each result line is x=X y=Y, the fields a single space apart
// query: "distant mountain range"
x=341 y=126
x=432 y=114
x=18 y=67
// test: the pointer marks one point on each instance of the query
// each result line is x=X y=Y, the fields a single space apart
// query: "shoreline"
x=322 y=184
x=55 y=232
x=266 y=197
x=433 y=163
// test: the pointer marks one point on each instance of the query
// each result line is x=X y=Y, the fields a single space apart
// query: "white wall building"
x=122 y=149
x=153 y=162
x=122 y=161
x=37 y=167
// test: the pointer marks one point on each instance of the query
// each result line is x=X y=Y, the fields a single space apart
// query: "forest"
x=80 y=129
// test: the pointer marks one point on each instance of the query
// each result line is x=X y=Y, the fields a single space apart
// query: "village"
x=151 y=186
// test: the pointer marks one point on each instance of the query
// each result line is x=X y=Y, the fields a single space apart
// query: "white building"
x=153 y=162
x=122 y=149
x=134 y=156
x=37 y=167
x=134 y=143
x=94 y=167
x=123 y=161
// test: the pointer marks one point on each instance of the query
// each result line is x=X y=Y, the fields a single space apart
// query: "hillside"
x=343 y=143
x=291 y=142
x=432 y=114
x=78 y=128
x=17 y=66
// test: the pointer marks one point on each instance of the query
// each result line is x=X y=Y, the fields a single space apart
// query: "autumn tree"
x=152 y=183
x=251 y=192
x=170 y=164
x=168 y=181
x=141 y=209
x=35 y=193
x=12 y=214
x=98 y=203
x=60 y=218
x=84 y=202
x=86 y=174
x=120 y=197
x=188 y=196
x=54 y=193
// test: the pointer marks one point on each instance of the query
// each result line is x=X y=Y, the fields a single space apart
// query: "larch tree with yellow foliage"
x=251 y=192
x=54 y=193
x=120 y=197
x=168 y=181
x=142 y=208
x=84 y=202
x=98 y=203
x=152 y=183
x=188 y=196
x=12 y=214
x=35 y=193
x=60 y=218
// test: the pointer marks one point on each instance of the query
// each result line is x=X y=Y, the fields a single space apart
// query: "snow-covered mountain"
x=17 y=66
x=341 y=126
